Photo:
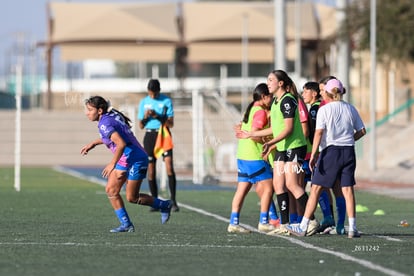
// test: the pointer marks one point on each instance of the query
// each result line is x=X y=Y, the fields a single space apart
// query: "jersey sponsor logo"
x=104 y=129
x=287 y=108
x=284 y=206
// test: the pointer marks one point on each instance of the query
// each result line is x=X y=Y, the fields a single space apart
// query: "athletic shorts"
x=335 y=163
x=306 y=169
x=137 y=171
x=253 y=171
x=150 y=139
x=291 y=155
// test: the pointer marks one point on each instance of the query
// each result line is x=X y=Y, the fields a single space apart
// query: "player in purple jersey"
x=129 y=163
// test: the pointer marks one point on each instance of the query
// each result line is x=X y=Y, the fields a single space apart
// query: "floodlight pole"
x=342 y=65
x=198 y=141
x=280 y=34
x=298 y=36
x=17 y=141
x=245 y=62
x=373 y=79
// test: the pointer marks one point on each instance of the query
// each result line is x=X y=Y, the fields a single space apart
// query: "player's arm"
x=260 y=121
x=147 y=116
x=315 y=148
x=243 y=134
x=359 y=134
x=169 y=122
x=88 y=147
x=287 y=130
x=120 y=146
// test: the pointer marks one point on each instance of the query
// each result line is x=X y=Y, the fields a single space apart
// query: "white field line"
x=101 y=182
x=340 y=255
x=82 y=244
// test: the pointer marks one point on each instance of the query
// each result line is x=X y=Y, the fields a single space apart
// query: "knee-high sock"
x=272 y=211
x=160 y=204
x=283 y=202
x=303 y=200
x=234 y=218
x=172 y=183
x=340 y=210
x=123 y=216
x=325 y=204
x=153 y=187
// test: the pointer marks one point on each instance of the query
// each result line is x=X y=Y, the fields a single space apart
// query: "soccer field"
x=59 y=225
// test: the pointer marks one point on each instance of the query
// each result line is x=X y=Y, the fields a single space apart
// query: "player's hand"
x=242 y=134
x=312 y=161
x=86 y=149
x=237 y=127
x=107 y=170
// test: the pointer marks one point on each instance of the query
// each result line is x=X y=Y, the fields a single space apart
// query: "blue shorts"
x=335 y=163
x=253 y=171
x=306 y=169
x=137 y=171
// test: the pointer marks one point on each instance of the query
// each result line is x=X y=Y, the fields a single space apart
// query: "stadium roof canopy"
x=212 y=31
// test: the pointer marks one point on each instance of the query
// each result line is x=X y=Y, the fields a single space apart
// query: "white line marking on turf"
x=343 y=256
x=388 y=238
x=79 y=175
x=139 y=245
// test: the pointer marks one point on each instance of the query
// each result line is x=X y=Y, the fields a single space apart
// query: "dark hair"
x=325 y=80
x=283 y=76
x=312 y=85
x=288 y=83
x=100 y=103
x=259 y=91
x=154 y=85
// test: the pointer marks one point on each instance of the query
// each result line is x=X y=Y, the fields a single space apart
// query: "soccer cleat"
x=295 y=230
x=340 y=230
x=274 y=222
x=325 y=223
x=235 y=228
x=265 y=227
x=354 y=234
x=332 y=230
x=123 y=228
x=312 y=227
x=329 y=230
x=175 y=208
x=280 y=230
x=166 y=212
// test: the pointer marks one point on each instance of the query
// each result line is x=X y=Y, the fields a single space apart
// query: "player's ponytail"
x=100 y=103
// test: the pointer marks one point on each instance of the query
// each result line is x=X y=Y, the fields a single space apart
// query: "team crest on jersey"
x=103 y=128
x=313 y=113
x=287 y=107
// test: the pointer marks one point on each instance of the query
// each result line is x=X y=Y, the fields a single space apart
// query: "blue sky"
x=28 y=18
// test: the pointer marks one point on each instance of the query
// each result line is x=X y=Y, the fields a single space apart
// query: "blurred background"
x=208 y=55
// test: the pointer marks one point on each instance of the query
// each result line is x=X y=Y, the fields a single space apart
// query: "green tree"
x=395 y=24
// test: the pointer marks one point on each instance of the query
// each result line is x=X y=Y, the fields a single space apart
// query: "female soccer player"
x=252 y=169
x=290 y=144
x=129 y=162
x=338 y=126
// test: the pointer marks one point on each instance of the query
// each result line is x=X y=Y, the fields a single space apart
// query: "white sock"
x=352 y=224
x=304 y=224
